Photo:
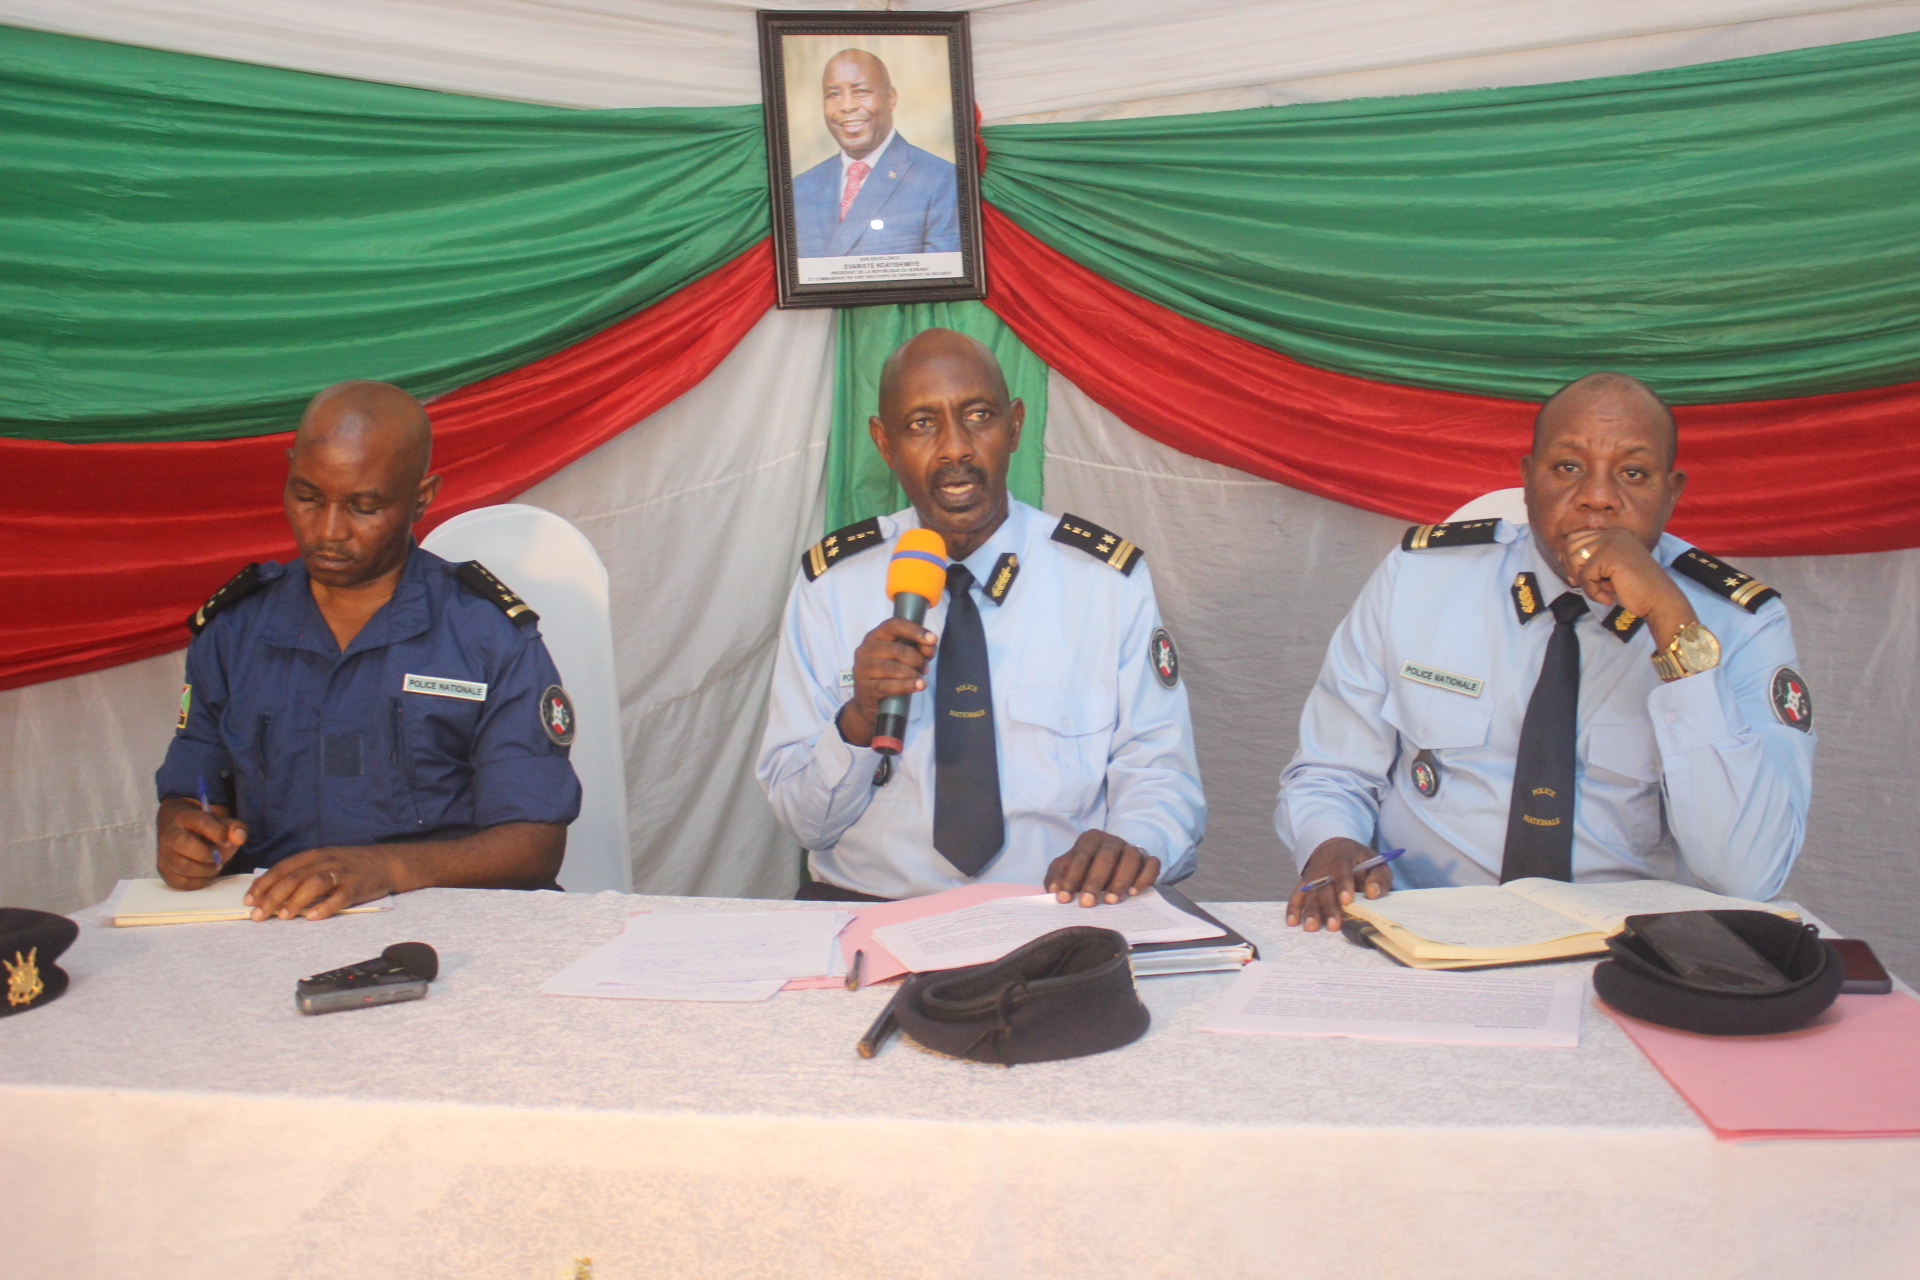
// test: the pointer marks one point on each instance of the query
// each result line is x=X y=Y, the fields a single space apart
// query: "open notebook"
x=1522 y=921
x=152 y=902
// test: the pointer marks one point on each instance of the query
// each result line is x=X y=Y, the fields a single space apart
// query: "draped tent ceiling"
x=1288 y=290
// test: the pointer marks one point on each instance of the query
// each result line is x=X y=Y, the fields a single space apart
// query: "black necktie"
x=1540 y=816
x=968 y=826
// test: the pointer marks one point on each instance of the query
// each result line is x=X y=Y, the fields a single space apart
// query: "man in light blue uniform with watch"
x=1583 y=697
x=1047 y=743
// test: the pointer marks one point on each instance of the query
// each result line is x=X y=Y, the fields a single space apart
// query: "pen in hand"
x=207 y=808
x=1378 y=860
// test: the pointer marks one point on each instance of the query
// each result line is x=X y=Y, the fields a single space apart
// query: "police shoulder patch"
x=1792 y=701
x=1723 y=579
x=840 y=544
x=1164 y=657
x=475 y=577
x=1097 y=542
x=556 y=715
x=1461 y=533
x=238 y=588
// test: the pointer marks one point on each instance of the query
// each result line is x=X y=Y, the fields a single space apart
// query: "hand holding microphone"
x=891 y=663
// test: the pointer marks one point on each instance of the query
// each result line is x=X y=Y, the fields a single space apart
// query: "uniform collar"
x=1009 y=539
x=297 y=623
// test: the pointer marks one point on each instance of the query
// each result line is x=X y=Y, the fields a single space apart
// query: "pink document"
x=1855 y=1073
x=879 y=964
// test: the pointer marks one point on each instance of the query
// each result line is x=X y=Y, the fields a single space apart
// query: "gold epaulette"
x=1723 y=579
x=840 y=544
x=1097 y=542
x=238 y=588
x=475 y=577
x=1461 y=533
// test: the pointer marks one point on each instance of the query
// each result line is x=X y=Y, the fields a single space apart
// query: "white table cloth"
x=173 y=1115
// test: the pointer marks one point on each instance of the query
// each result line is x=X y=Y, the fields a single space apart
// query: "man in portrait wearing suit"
x=880 y=193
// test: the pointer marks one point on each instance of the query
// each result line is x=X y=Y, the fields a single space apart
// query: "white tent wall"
x=1253 y=577
x=700 y=512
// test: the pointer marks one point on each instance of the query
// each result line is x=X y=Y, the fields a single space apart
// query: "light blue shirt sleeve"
x=1154 y=797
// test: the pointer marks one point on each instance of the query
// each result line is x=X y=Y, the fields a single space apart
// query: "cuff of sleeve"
x=836 y=757
x=525 y=789
x=1314 y=834
x=1693 y=712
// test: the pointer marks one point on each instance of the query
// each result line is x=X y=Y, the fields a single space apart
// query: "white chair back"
x=551 y=565
x=1502 y=504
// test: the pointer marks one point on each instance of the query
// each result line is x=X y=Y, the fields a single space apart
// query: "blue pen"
x=207 y=808
x=1378 y=860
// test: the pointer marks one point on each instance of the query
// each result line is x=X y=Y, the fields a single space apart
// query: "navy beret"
x=1638 y=981
x=30 y=941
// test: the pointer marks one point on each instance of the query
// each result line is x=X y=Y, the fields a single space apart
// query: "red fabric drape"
x=105 y=549
x=1817 y=475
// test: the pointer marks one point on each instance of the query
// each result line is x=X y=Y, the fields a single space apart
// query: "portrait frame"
x=912 y=231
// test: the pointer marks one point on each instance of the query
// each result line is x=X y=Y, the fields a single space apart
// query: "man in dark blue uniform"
x=369 y=719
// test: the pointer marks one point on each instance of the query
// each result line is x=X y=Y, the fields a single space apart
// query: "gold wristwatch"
x=1693 y=649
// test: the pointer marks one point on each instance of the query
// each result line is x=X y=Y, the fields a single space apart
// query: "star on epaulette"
x=840 y=544
x=1723 y=579
x=475 y=577
x=1076 y=531
x=1461 y=533
x=238 y=588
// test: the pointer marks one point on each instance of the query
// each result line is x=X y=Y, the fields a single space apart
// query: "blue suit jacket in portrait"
x=908 y=204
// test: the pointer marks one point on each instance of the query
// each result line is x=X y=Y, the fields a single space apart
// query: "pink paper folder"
x=879 y=964
x=1855 y=1073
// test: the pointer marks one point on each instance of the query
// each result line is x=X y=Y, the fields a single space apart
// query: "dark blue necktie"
x=1540 y=815
x=968 y=825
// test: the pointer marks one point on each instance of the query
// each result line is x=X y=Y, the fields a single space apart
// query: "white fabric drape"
x=1033 y=58
x=1253 y=577
x=700 y=513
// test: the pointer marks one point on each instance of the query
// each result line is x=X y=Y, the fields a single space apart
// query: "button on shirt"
x=1697 y=780
x=330 y=748
x=1088 y=737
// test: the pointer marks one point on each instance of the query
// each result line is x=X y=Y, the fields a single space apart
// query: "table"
x=172 y=1115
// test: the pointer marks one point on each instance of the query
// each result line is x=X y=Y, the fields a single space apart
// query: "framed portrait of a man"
x=871 y=157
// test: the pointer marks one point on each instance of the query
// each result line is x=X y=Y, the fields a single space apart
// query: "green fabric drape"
x=1733 y=231
x=858 y=482
x=189 y=247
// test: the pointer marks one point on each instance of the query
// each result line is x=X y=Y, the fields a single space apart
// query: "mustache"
x=957 y=473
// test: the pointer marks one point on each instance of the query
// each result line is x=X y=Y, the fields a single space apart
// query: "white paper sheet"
x=152 y=901
x=979 y=934
x=1606 y=906
x=1475 y=916
x=1541 y=1010
x=706 y=955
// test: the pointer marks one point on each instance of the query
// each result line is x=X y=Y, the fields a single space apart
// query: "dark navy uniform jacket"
x=438 y=721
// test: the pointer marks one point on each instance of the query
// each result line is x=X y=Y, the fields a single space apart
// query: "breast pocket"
x=1057 y=745
x=1449 y=726
x=1623 y=776
x=429 y=760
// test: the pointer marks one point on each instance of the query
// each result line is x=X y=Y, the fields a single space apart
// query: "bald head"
x=1609 y=395
x=357 y=480
x=967 y=357
x=858 y=98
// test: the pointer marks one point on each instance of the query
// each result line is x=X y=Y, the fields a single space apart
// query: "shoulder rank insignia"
x=1623 y=624
x=1723 y=579
x=238 y=588
x=1000 y=581
x=838 y=545
x=1461 y=533
x=1097 y=542
x=475 y=577
x=1526 y=597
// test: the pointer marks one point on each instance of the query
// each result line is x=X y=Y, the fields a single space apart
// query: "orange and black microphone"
x=915 y=579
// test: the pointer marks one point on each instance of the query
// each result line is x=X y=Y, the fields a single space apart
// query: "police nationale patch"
x=186 y=704
x=1792 y=701
x=556 y=715
x=1165 y=658
x=1426 y=776
x=1441 y=679
x=443 y=687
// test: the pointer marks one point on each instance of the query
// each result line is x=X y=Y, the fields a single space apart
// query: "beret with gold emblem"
x=30 y=942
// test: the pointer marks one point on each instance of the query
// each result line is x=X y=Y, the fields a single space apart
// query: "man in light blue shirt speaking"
x=1047 y=741
x=1583 y=697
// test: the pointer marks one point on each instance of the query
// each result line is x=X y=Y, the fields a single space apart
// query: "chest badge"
x=443 y=687
x=1439 y=679
x=1792 y=701
x=1426 y=775
x=1164 y=657
x=556 y=715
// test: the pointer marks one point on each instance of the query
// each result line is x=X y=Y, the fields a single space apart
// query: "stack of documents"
x=152 y=902
x=1541 y=1010
x=1523 y=921
x=708 y=955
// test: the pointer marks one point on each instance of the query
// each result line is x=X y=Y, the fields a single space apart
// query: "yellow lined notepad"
x=153 y=902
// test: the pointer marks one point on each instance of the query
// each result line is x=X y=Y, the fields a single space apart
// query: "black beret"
x=1637 y=981
x=1064 y=995
x=30 y=941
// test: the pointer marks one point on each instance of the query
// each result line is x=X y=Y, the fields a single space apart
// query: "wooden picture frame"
x=871 y=157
